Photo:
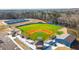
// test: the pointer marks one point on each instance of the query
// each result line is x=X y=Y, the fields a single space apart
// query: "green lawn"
x=43 y=35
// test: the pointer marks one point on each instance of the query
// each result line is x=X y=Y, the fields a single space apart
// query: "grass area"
x=38 y=35
x=39 y=30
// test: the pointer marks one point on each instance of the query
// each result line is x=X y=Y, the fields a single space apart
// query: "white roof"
x=63 y=36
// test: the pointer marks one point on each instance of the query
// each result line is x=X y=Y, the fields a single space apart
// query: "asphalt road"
x=6 y=43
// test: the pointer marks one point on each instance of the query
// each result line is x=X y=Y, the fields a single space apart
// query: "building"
x=68 y=40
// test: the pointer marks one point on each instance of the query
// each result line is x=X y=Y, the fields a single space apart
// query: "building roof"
x=63 y=36
x=67 y=37
x=70 y=38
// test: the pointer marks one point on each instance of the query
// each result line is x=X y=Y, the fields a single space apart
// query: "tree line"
x=68 y=18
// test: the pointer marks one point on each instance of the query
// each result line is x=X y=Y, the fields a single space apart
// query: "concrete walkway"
x=22 y=40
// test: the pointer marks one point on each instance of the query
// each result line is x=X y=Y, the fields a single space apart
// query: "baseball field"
x=36 y=31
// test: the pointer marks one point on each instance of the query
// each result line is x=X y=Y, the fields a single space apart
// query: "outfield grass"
x=39 y=30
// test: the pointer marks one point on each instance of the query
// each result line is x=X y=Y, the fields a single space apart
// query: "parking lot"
x=6 y=43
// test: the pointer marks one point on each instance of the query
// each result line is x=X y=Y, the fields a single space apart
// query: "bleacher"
x=14 y=21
